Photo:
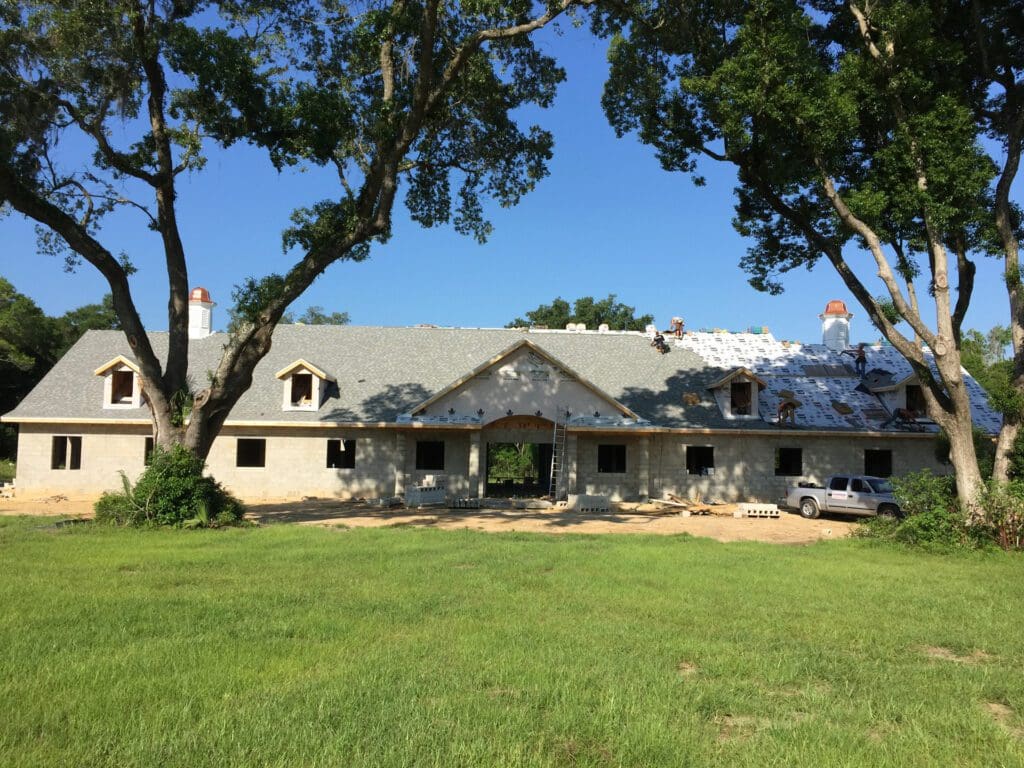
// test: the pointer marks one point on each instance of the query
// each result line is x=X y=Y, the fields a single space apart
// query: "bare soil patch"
x=740 y=726
x=686 y=669
x=945 y=654
x=623 y=518
x=1005 y=717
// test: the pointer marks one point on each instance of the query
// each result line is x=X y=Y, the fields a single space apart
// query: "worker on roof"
x=860 y=359
x=787 y=411
x=902 y=417
x=659 y=343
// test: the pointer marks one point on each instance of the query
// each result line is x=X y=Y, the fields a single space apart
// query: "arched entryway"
x=518 y=456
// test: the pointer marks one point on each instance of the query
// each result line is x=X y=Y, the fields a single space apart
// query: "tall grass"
x=290 y=646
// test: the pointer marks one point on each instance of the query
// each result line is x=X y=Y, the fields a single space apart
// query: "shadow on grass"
x=324 y=511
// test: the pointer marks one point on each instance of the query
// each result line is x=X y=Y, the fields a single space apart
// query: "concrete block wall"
x=296 y=464
x=456 y=459
x=105 y=452
x=745 y=465
x=617 y=486
x=386 y=462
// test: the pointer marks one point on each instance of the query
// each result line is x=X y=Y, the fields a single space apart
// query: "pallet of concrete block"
x=431 y=489
x=581 y=502
x=465 y=503
x=756 y=510
x=421 y=496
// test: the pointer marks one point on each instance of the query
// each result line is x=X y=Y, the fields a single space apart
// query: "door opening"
x=518 y=470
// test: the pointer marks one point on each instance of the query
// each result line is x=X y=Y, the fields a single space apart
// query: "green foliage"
x=931 y=514
x=512 y=460
x=1004 y=513
x=26 y=333
x=7 y=470
x=789 y=93
x=171 y=491
x=315 y=315
x=587 y=310
x=89 y=317
x=888 y=309
x=31 y=342
x=984 y=358
x=252 y=298
x=933 y=518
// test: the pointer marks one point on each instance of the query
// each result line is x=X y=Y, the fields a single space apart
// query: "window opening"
x=302 y=389
x=740 y=398
x=878 y=462
x=251 y=452
x=430 y=454
x=700 y=460
x=915 y=399
x=147 y=455
x=789 y=462
x=611 y=458
x=341 y=454
x=66 y=452
x=122 y=387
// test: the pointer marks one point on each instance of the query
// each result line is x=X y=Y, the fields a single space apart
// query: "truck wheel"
x=888 y=510
x=809 y=509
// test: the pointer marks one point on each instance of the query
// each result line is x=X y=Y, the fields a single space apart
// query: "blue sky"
x=606 y=220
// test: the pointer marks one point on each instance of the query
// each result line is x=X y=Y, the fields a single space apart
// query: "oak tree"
x=856 y=131
x=416 y=94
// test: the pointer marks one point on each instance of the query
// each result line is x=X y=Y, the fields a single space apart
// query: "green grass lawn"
x=289 y=646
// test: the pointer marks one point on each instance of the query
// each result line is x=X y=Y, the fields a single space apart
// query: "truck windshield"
x=880 y=486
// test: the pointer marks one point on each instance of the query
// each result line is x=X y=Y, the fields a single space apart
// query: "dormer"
x=897 y=393
x=122 y=387
x=304 y=386
x=736 y=394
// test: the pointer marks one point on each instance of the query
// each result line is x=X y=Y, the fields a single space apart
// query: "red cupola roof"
x=836 y=307
x=203 y=295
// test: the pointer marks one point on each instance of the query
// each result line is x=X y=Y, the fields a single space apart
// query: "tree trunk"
x=1004 y=448
x=965 y=464
x=959 y=427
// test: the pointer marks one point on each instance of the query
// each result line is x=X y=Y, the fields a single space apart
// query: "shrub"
x=6 y=470
x=932 y=515
x=171 y=491
x=934 y=518
x=1004 y=514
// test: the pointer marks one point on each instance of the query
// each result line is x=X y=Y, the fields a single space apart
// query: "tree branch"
x=875 y=246
x=176 y=371
x=471 y=45
x=27 y=202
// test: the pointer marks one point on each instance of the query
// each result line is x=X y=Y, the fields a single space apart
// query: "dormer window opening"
x=915 y=399
x=740 y=398
x=122 y=387
x=302 y=389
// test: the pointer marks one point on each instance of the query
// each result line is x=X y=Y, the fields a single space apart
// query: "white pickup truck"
x=845 y=495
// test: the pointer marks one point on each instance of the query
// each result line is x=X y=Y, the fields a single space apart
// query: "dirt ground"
x=624 y=518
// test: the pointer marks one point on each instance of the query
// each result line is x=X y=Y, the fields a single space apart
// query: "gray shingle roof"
x=382 y=373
